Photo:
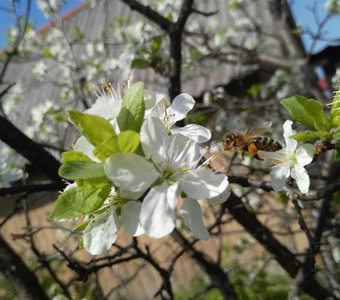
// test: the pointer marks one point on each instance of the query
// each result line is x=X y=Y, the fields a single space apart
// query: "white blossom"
x=177 y=111
x=173 y=170
x=290 y=161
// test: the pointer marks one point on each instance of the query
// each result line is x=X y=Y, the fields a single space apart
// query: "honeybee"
x=251 y=143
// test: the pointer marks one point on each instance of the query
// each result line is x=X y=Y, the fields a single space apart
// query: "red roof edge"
x=64 y=17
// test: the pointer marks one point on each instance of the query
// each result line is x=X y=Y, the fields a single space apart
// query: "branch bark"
x=21 y=278
x=28 y=148
x=282 y=255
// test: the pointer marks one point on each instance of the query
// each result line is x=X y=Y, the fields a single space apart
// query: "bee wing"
x=260 y=128
x=216 y=144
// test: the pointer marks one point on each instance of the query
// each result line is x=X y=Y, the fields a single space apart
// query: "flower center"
x=289 y=158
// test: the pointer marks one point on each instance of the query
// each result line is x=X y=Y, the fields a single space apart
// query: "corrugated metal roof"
x=92 y=22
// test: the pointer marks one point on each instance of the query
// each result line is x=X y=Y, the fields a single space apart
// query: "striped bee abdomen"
x=266 y=143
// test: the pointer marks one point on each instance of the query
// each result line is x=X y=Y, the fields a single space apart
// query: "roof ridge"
x=64 y=17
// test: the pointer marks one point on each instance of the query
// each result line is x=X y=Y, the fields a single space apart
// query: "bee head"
x=229 y=141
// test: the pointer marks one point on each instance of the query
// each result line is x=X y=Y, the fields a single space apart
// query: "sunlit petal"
x=195 y=132
x=182 y=152
x=305 y=154
x=101 y=233
x=179 y=108
x=278 y=176
x=301 y=177
x=287 y=133
x=106 y=107
x=192 y=216
x=130 y=171
x=158 y=210
x=154 y=139
x=203 y=184
x=130 y=217
x=220 y=198
x=83 y=145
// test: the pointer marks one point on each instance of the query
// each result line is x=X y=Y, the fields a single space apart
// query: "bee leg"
x=256 y=156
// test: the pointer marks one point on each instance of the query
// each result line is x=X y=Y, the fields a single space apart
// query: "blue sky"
x=304 y=17
x=6 y=19
x=299 y=8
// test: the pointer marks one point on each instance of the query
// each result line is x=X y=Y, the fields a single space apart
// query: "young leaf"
x=74 y=156
x=336 y=135
x=98 y=183
x=96 y=129
x=156 y=43
x=82 y=226
x=131 y=115
x=79 y=201
x=337 y=153
x=128 y=141
x=308 y=135
x=107 y=148
x=335 y=111
x=139 y=63
x=74 y=170
x=306 y=111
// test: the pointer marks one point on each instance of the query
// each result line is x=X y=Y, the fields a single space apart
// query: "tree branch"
x=28 y=148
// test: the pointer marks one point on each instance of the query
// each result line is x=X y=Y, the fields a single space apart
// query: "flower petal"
x=305 y=154
x=279 y=175
x=203 y=184
x=220 y=198
x=130 y=171
x=154 y=139
x=101 y=233
x=83 y=145
x=287 y=132
x=192 y=216
x=195 y=132
x=130 y=218
x=301 y=177
x=277 y=155
x=106 y=107
x=158 y=110
x=130 y=195
x=179 y=108
x=182 y=152
x=158 y=210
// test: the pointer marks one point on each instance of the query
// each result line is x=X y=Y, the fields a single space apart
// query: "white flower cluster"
x=333 y=6
x=148 y=183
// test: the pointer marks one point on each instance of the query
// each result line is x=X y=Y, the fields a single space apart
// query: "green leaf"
x=336 y=135
x=97 y=183
x=107 y=148
x=139 y=63
x=306 y=111
x=96 y=129
x=74 y=156
x=82 y=226
x=78 y=33
x=128 y=141
x=79 y=201
x=233 y=5
x=308 y=135
x=131 y=114
x=335 y=111
x=337 y=154
x=156 y=43
x=81 y=170
x=46 y=52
